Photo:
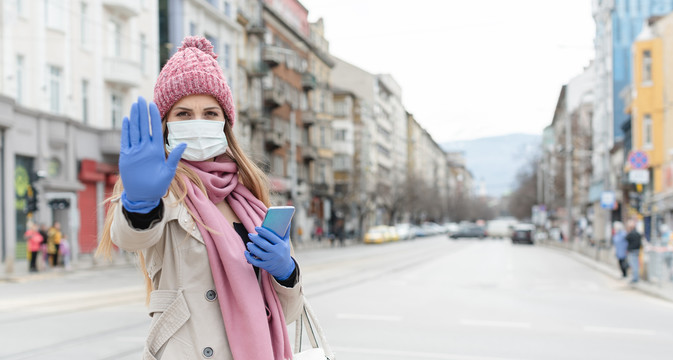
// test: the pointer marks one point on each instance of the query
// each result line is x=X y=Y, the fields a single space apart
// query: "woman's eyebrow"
x=211 y=108
x=183 y=108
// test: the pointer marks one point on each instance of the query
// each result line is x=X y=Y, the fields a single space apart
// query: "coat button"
x=208 y=352
x=211 y=295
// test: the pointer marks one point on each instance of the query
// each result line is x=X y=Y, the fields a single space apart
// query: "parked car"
x=405 y=231
x=523 y=233
x=391 y=234
x=376 y=235
x=431 y=228
x=469 y=231
x=451 y=227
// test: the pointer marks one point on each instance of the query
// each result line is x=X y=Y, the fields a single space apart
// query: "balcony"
x=273 y=140
x=272 y=55
x=256 y=117
x=109 y=141
x=126 y=8
x=320 y=189
x=256 y=69
x=308 y=81
x=308 y=117
x=273 y=97
x=121 y=71
x=310 y=153
x=256 y=28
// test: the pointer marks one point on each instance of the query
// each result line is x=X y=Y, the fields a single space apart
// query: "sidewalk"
x=662 y=290
x=86 y=262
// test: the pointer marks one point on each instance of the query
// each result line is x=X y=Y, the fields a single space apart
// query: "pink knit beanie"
x=193 y=70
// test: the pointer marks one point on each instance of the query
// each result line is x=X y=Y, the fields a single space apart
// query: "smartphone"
x=278 y=219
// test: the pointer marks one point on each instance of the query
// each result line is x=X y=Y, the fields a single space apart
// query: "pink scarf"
x=253 y=332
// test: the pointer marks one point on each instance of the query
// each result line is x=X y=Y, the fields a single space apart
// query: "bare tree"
x=525 y=196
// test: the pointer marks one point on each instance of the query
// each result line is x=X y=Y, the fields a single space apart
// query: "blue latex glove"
x=144 y=169
x=271 y=253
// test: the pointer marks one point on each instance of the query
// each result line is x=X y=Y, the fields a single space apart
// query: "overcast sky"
x=468 y=69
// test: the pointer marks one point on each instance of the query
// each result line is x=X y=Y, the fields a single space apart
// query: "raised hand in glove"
x=144 y=169
x=270 y=252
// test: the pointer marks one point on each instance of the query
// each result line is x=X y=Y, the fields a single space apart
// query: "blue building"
x=628 y=17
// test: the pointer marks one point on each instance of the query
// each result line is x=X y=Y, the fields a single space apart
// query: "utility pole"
x=569 y=177
x=293 y=169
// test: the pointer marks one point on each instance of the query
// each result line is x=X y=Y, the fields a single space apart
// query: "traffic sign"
x=638 y=160
x=639 y=176
x=608 y=199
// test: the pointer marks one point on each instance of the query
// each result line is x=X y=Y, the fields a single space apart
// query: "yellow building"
x=647 y=115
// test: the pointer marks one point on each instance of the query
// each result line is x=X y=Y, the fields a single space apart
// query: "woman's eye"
x=182 y=113
x=212 y=114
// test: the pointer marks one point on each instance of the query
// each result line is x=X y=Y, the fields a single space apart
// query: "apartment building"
x=69 y=72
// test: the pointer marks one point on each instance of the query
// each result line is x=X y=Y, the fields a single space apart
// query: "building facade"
x=63 y=96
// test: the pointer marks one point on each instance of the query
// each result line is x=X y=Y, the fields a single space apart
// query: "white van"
x=499 y=228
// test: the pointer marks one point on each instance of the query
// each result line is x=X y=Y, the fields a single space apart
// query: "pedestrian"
x=54 y=242
x=64 y=251
x=619 y=240
x=42 y=260
x=634 y=243
x=33 y=241
x=190 y=204
x=319 y=232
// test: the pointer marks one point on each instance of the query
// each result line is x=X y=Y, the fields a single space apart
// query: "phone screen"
x=278 y=219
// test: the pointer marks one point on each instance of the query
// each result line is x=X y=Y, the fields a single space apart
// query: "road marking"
x=369 y=317
x=500 y=324
x=613 y=330
x=415 y=354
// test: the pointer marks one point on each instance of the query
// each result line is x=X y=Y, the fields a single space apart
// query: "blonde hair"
x=250 y=175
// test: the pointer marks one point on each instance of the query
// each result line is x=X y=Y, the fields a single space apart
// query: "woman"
x=619 y=240
x=211 y=295
x=33 y=242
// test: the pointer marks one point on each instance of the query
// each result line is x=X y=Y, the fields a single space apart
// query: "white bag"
x=320 y=348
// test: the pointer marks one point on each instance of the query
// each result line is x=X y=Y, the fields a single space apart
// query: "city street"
x=429 y=298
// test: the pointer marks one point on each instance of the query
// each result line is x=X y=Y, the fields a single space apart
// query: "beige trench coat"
x=186 y=319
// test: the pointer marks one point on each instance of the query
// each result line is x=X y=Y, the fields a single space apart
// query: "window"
x=85 y=101
x=54 y=76
x=647 y=67
x=213 y=41
x=83 y=24
x=114 y=38
x=116 y=110
x=227 y=9
x=20 y=71
x=322 y=174
x=54 y=13
x=19 y=8
x=323 y=142
x=340 y=108
x=143 y=53
x=227 y=55
x=340 y=135
x=213 y=2
x=192 y=28
x=647 y=131
x=278 y=165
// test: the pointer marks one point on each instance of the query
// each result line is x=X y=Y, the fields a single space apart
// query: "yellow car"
x=392 y=234
x=377 y=235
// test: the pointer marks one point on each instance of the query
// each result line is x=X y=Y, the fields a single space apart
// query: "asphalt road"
x=430 y=298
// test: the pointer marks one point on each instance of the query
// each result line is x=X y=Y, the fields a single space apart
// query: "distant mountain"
x=496 y=160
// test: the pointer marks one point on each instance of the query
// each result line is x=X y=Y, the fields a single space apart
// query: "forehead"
x=196 y=101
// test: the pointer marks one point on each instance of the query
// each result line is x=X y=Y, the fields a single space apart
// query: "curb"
x=642 y=286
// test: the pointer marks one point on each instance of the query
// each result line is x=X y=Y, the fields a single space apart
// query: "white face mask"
x=205 y=139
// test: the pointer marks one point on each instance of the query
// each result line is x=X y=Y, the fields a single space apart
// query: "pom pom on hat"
x=200 y=43
x=193 y=70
